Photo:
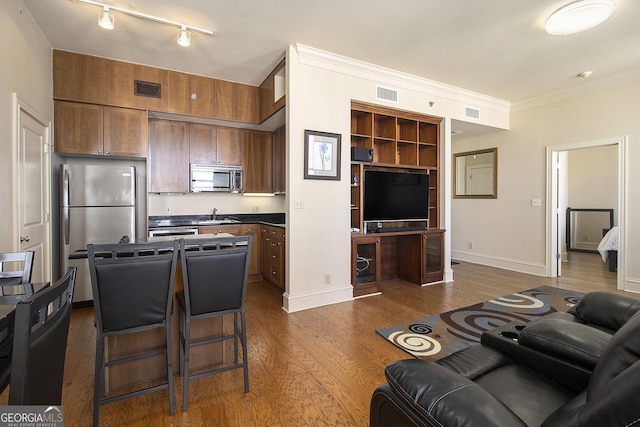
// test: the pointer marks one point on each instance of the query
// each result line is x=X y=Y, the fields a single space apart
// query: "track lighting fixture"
x=107 y=20
x=184 y=38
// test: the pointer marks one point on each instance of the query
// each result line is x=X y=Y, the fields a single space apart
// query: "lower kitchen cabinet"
x=273 y=255
x=255 y=263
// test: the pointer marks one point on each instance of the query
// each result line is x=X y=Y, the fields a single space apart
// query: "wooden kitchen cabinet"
x=256 y=162
x=190 y=94
x=215 y=144
x=100 y=130
x=279 y=171
x=217 y=229
x=168 y=162
x=236 y=102
x=255 y=263
x=273 y=255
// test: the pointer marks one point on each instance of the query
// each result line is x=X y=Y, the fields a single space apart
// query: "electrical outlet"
x=470 y=245
x=297 y=204
x=327 y=279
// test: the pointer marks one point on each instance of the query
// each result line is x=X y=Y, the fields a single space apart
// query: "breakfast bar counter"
x=151 y=370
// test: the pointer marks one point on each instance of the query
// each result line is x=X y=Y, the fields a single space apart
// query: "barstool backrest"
x=215 y=273
x=132 y=284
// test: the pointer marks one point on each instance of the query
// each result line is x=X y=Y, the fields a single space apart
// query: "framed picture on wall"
x=321 y=155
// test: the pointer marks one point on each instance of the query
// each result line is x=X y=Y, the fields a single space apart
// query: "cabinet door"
x=190 y=94
x=255 y=260
x=278 y=163
x=78 y=128
x=365 y=265
x=125 y=132
x=229 y=146
x=432 y=257
x=256 y=162
x=203 y=143
x=168 y=163
x=217 y=229
x=236 y=102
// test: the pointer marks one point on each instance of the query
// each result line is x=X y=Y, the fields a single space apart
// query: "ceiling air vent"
x=150 y=90
x=386 y=94
x=472 y=113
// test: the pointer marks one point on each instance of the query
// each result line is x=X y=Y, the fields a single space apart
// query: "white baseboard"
x=504 y=263
x=317 y=299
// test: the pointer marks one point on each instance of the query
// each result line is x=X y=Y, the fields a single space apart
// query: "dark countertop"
x=277 y=219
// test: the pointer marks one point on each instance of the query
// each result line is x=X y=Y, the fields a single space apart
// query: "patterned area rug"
x=437 y=336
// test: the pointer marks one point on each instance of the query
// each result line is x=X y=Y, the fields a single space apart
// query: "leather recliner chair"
x=548 y=384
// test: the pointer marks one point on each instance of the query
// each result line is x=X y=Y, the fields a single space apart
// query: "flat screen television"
x=396 y=196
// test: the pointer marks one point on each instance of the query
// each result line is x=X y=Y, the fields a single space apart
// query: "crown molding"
x=341 y=64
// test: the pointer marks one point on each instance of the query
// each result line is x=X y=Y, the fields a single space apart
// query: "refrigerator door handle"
x=65 y=224
x=65 y=187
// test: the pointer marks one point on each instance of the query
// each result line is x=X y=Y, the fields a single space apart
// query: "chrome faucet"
x=213 y=216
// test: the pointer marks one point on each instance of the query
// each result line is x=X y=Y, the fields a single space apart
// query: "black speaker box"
x=361 y=154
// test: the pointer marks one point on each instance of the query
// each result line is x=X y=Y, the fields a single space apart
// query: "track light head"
x=106 y=19
x=184 y=38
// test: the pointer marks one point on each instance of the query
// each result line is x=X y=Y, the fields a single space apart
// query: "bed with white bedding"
x=608 y=248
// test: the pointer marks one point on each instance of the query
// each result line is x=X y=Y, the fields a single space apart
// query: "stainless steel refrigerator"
x=98 y=205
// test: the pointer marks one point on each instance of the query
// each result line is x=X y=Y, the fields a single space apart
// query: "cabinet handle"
x=273 y=257
x=106 y=152
x=99 y=151
x=25 y=238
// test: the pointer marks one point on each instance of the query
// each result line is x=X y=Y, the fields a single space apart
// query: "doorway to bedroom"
x=584 y=176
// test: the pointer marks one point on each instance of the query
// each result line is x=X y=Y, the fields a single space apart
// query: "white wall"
x=321 y=87
x=508 y=232
x=26 y=70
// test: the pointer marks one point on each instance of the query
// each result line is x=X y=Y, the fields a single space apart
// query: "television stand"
x=416 y=256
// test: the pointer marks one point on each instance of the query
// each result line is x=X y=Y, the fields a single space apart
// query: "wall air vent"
x=386 y=94
x=472 y=113
x=150 y=90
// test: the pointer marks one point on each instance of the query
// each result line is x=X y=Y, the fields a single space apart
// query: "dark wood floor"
x=312 y=368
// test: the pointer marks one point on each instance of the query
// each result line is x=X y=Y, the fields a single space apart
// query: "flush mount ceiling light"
x=107 y=20
x=579 y=16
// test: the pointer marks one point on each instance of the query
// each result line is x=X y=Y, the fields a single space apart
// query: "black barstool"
x=214 y=274
x=132 y=292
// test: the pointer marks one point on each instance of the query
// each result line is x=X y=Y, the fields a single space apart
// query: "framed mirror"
x=475 y=174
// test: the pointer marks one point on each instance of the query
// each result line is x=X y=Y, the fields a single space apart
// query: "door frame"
x=552 y=201
x=20 y=105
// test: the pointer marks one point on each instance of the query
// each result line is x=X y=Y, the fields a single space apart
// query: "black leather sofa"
x=580 y=368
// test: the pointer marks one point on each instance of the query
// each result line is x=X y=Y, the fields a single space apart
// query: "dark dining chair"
x=15 y=272
x=214 y=275
x=132 y=292
x=41 y=327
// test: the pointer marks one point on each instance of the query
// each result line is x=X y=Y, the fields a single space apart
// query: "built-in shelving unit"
x=401 y=141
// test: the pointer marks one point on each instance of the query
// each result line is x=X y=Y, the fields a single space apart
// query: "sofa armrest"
x=606 y=309
x=442 y=396
x=574 y=342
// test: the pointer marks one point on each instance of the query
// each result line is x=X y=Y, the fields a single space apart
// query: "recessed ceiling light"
x=579 y=16
x=585 y=74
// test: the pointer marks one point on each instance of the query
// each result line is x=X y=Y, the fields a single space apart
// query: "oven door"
x=172 y=231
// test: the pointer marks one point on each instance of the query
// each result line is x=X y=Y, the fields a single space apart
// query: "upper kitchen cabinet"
x=235 y=102
x=256 y=162
x=190 y=94
x=85 y=78
x=99 y=130
x=272 y=92
x=215 y=144
x=168 y=162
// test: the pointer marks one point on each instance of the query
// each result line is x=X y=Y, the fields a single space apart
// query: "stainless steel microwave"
x=216 y=178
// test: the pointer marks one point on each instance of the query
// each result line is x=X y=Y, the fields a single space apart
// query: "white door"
x=32 y=190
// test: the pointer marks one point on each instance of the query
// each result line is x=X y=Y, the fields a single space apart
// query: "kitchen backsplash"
x=197 y=204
